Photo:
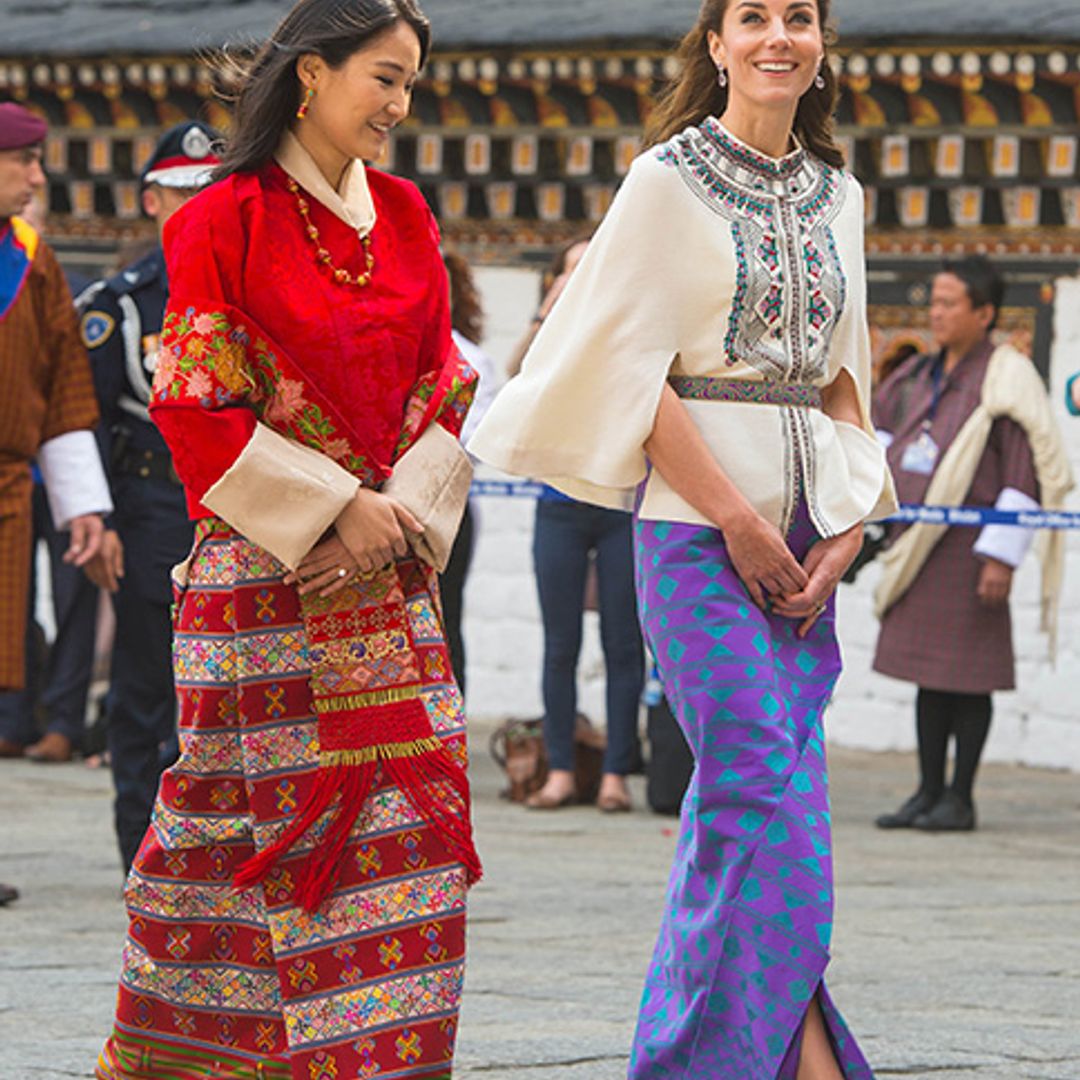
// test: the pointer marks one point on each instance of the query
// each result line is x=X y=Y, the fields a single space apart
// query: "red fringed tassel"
x=417 y=777
x=351 y=785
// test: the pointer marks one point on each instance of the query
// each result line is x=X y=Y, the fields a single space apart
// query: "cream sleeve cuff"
x=1007 y=543
x=281 y=495
x=75 y=482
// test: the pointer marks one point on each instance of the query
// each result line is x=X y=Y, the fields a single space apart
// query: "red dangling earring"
x=309 y=93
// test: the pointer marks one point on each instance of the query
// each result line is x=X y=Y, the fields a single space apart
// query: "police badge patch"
x=96 y=328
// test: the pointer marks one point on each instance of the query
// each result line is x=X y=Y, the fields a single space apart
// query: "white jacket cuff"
x=75 y=482
x=281 y=495
x=1007 y=543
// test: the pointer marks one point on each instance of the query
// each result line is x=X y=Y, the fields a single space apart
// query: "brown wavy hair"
x=269 y=89
x=695 y=93
x=466 y=313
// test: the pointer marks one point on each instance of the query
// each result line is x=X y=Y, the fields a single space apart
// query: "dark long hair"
x=466 y=314
x=269 y=91
x=695 y=93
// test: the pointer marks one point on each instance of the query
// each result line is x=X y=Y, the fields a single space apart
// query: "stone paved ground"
x=955 y=956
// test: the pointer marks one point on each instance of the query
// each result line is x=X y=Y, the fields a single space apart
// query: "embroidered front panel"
x=182 y=900
x=790 y=284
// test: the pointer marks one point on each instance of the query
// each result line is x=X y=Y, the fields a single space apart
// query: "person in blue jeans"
x=567 y=535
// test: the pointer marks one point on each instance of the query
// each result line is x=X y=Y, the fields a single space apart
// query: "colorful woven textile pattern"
x=246 y=984
x=745 y=937
x=744 y=391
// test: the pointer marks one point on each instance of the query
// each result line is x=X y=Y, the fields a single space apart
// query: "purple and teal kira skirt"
x=744 y=941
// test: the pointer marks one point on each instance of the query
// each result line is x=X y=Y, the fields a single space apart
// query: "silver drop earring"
x=721 y=76
x=819 y=82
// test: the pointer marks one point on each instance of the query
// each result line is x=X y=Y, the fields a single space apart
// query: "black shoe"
x=7 y=894
x=951 y=814
x=904 y=818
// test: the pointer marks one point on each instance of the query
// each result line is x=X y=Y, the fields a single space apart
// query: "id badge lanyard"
x=921 y=455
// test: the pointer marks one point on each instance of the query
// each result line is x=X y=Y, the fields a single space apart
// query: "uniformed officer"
x=121 y=327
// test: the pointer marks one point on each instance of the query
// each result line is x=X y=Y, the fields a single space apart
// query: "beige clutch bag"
x=431 y=480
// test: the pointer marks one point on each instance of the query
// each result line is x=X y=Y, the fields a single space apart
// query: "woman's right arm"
x=758 y=552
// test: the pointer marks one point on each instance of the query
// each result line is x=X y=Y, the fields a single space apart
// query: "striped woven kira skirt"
x=744 y=941
x=244 y=984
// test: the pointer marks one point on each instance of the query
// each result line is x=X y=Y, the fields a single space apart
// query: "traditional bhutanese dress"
x=298 y=905
x=47 y=410
x=739 y=279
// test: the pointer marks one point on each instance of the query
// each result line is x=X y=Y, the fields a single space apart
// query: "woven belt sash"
x=745 y=391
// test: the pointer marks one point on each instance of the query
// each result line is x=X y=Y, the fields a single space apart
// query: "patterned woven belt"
x=747 y=391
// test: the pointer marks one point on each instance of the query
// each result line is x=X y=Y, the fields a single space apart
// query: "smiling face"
x=20 y=176
x=355 y=106
x=770 y=49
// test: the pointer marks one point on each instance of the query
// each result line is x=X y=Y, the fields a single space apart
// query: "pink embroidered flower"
x=165 y=371
x=338 y=449
x=200 y=384
x=203 y=325
x=288 y=400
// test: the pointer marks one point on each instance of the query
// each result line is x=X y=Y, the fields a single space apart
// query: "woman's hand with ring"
x=326 y=569
x=825 y=563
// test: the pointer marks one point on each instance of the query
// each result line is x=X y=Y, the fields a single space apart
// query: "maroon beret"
x=19 y=127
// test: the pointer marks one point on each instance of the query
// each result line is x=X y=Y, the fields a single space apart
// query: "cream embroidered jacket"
x=714 y=260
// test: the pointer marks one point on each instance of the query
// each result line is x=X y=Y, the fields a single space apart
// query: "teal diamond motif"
x=777 y=833
x=806 y=662
x=751 y=821
x=662 y=530
x=667 y=587
x=676 y=650
x=777 y=762
x=761 y=644
x=802 y=783
x=799 y=991
x=751 y=889
x=770 y=705
x=824 y=933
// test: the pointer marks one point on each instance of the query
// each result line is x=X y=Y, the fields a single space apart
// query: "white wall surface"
x=1039 y=724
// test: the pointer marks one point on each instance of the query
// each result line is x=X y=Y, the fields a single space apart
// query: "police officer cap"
x=184 y=157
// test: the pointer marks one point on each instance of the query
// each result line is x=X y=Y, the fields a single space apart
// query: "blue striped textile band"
x=745 y=391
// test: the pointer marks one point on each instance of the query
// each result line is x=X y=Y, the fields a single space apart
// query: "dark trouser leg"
x=624 y=653
x=452 y=591
x=971 y=725
x=561 y=557
x=934 y=712
x=71 y=658
x=142 y=712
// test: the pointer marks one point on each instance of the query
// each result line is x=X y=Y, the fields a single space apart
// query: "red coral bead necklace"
x=359 y=280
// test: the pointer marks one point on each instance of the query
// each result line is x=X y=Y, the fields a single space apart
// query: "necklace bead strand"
x=322 y=254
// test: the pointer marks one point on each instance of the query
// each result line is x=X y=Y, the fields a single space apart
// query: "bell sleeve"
x=578 y=415
x=870 y=483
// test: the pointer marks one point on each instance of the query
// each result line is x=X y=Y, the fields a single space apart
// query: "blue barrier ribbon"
x=957 y=516
x=977 y=516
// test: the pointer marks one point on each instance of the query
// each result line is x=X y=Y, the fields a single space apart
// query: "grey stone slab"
x=952 y=956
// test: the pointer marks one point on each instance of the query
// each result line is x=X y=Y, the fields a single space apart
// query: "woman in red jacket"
x=297 y=907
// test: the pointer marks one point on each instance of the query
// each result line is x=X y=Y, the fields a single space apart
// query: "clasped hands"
x=774 y=578
x=368 y=535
